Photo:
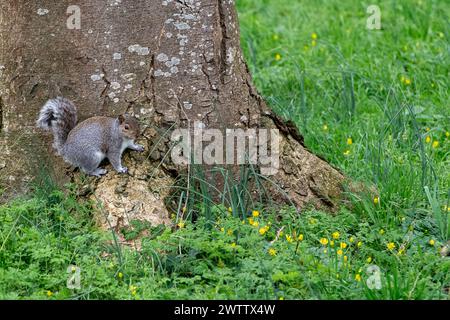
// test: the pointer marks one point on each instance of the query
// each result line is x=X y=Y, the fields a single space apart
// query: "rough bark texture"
x=165 y=61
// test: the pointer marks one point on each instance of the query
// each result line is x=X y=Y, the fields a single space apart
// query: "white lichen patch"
x=136 y=48
x=230 y=55
x=128 y=77
x=187 y=105
x=42 y=11
x=115 y=85
x=96 y=77
x=162 y=57
x=111 y=95
x=174 y=61
x=181 y=25
x=117 y=56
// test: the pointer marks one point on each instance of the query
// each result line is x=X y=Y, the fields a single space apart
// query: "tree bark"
x=169 y=62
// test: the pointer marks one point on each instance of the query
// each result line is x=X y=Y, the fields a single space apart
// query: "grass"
x=372 y=102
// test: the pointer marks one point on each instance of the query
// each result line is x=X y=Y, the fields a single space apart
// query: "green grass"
x=350 y=84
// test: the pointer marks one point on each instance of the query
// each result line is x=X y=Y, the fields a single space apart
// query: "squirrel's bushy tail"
x=60 y=116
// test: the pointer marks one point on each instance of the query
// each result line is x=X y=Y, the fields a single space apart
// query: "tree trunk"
x=169 y=62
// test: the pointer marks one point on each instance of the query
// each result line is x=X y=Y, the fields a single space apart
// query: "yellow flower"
x=349 y=141
x=427 y=139
x=278 y=57
x=313 y=43
x=251 y=221
x=233 y=245
x=400 y=252
x=280 y=298
x=447 y=134
x=346 y=152
x=343 y=245
x=431 y=242
x=324 y=241
x=230 y=232
x=272 y=251
x=331 y=243
x=407 y=81
x=381 y=231
x=314 y=36
x=288 y=238
x=263 y=230
x=369 y=260
x=49 y=293
x=255 y=213
x=390 y=246
x=300 y=237
x=325 y=127
x=376 y=200
x=275 y=37
x=358 y=277
x=133 y=290
x=345 y=258
x=340 y=252
x=435 y=144
x=359 y=244
x=351 y=240
x=230 y=209
x=222 y=229
x=181 y=224
x=255 y=223
x=336 y=235
x=120 y=275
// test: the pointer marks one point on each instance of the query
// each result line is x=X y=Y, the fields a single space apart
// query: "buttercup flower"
x=278 y=57
x=324 y=241
x=390 y=246
x=376 y=200
x=349 y=141
x=272 y=251
x=255 y=213
x=435 y=144
x=343 y=245
x=358 y=277
x=336 y=235
x=340 y=252
x=300 y=237
x=431 y=242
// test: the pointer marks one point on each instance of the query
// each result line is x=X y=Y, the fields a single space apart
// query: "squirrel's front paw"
x=123 y=170
x=139 y=148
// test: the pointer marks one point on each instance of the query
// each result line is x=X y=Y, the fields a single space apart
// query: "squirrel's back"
x=60 y=116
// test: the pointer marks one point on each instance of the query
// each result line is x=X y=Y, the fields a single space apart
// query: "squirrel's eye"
x=127 y=127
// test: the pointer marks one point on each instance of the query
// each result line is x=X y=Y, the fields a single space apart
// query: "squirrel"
x=87 y=144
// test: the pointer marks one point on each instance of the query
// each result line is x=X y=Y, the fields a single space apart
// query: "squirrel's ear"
x=121 y=119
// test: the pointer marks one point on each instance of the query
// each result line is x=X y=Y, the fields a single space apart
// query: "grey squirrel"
x=87 y=144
